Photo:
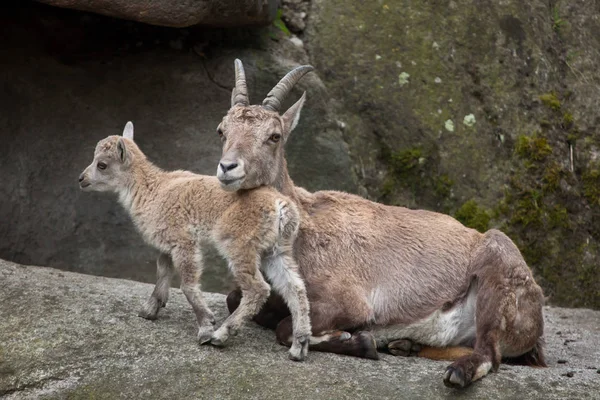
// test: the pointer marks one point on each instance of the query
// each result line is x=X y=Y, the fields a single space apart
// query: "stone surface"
x=409 y=74
x=180 y=13
x=70 y=79
x=67 y=335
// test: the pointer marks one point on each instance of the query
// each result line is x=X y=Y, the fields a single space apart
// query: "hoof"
x=205 y=334
x=219 y=337
x=217 y=342
x=299 y=349
x=455 y=378
x=404 y=348
x=345 y=336
x=368 y=347
x=296 y=355
x=147 y=315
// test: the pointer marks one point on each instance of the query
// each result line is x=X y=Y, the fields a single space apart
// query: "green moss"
x=567 y=119
x=473 y=216
x=443 y=186
x=558 y=217
x=552 y=176
x=557 y=22
x=550 y=100
x=591 y=184
x=406 y=160
x=279 y=24
x=533 y=148
x=527 y=211
x=388 y=186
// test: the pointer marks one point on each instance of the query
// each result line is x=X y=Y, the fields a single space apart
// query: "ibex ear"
x=292 y=115
x=122 y=150
x=128 y=131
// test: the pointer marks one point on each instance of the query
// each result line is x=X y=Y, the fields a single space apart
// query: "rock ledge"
x=67 y=335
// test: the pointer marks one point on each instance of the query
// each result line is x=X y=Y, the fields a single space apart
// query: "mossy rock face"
x=499 y=102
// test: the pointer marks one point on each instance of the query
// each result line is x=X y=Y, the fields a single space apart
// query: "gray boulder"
x=180 y=13
x=74 y=78
x=67 y=335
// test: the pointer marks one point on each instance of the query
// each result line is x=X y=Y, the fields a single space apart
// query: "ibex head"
x=253 y=136
x=113 y=157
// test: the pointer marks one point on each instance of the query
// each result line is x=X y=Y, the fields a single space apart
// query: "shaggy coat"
x=179 y=213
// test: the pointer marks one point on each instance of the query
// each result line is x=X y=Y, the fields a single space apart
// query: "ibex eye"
x=220 y=133
x=101 y=165
x=275 y=137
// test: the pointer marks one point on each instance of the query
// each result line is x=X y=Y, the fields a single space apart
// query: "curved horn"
x=278 y=94
x=240 y=92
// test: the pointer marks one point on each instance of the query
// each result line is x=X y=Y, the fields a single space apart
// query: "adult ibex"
x=386 y=274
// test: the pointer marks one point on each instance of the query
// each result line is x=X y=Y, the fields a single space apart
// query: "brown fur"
x=180 y=212
x=393 y=270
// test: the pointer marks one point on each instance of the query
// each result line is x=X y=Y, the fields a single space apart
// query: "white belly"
x=440 y=329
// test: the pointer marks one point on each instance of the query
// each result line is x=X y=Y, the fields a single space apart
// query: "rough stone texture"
x=409 y=74
x=69 y=79
x=180 y=13
x=67 y=335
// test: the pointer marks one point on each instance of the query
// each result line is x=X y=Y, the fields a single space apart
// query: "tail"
x=533 y=358
x=288 y=218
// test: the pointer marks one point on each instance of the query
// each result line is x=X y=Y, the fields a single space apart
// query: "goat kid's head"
x=112 y=160
x=254 y=136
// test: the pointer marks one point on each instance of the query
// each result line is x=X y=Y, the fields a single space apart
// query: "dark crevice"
x=28 y=386
x=212 y=79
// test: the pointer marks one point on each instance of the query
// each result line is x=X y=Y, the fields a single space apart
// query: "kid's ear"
x=122 y=150
x=292 y=115
x=128 y=131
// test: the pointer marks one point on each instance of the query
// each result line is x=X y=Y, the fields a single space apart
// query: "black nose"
x=80 y=177
x=228 y=166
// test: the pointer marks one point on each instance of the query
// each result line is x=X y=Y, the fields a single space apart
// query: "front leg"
x=188 y=261
x=160 y=295
x=255 y=292
x=282 y=271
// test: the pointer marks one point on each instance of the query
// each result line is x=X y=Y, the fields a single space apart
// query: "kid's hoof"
x=217 y=342
x=299 y=349
x=205 y=334
x=220 y=337
x=147 y=315
x=296 y=355
x=455 y=378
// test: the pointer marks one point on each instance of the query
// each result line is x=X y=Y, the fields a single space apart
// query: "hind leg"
x=269 y=315
x=188 y=262
x=255 y=292
x=508 y=313
x=160 y=295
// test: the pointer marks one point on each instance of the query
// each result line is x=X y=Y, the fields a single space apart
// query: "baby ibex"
x=179 y=212
x=395 y=273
